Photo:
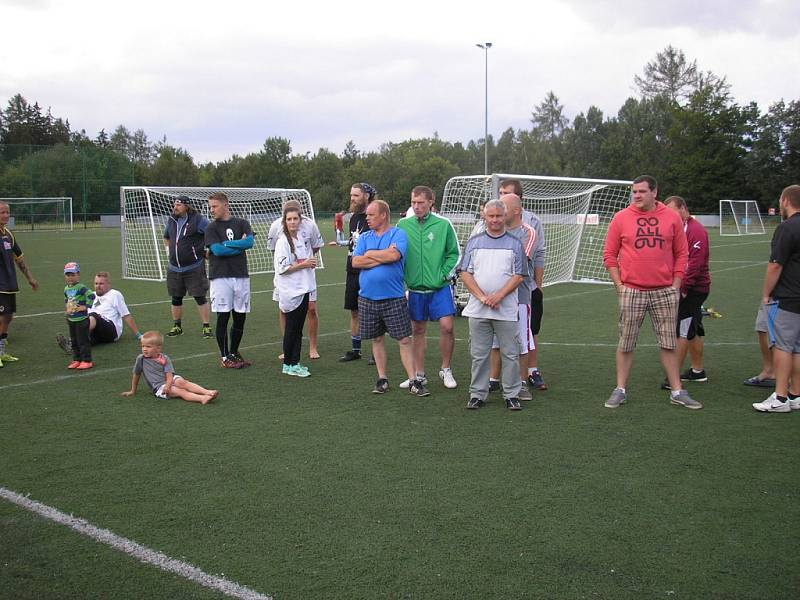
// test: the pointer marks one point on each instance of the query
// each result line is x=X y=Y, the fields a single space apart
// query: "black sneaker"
x=350 y=355
x=537 y=382
x=690 y=375
x=475 y=403
x=513 y=404
x=371 y=360
x=381 y=387
x=494 y=386
x=418 y=388
x=665 y=384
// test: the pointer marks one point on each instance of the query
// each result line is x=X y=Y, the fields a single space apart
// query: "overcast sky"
x=218 y=78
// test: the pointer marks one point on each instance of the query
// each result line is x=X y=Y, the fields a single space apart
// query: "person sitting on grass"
x=160 y=375
x=77 y=299
x=295 y=282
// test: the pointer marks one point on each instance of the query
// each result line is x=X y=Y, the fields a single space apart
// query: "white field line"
x=763 y=241
x=96 y=371
x=142 y=553
x=614 y=344
x=61 y=312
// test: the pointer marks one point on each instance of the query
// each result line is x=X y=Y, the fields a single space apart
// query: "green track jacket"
x=433 y=252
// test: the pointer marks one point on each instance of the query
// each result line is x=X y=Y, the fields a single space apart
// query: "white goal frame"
x=63 y=216
x=145 y=211
x=741 y=215
x=575 y=215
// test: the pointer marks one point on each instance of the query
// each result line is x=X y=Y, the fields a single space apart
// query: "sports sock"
x=206 y=324
x=697 y=370
x=3 y=337
x=177 y=322
x=421 y=375
x=237 y=331
x=675 y=394
x=780 y=398
x=621 y=390
x=793 y=396
x=222 y=333
x=356 y=343
x=493 y=379
x=533 y=370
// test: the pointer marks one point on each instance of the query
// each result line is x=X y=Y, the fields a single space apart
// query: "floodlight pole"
x=485 y=47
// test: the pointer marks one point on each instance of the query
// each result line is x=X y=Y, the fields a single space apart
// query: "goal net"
x=51 y=214
x=740 y=217
x=575 y=215
x=146 y=210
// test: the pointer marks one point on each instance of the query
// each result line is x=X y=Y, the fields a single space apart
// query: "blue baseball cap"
x=72 y=267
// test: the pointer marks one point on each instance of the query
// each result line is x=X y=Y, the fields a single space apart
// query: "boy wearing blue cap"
x=78 y=298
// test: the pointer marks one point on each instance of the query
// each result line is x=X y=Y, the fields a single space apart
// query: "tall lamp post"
x=485 y=47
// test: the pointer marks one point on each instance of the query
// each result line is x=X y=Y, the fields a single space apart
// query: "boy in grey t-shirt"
x=160 y=376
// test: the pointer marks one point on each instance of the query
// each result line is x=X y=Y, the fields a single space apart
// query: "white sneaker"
x=794 y=404
x=407 y=383
x=771 y=404
x=446 y=375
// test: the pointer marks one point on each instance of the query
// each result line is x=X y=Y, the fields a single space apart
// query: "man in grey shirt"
x=492 y=268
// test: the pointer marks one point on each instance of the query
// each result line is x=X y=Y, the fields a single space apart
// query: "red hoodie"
x=648 y=247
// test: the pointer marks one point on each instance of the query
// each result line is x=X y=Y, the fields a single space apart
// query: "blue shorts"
x=432 y=306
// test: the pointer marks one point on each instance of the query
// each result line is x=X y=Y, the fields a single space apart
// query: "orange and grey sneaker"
x=74 y=364
x=86 y=364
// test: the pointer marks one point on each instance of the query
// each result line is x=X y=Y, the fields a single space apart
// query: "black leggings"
x=237 y=331
x=293 y=334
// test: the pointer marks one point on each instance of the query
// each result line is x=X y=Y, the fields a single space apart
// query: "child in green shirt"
x=78 y=298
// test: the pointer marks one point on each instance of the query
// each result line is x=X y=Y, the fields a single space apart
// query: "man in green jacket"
x=431 y=259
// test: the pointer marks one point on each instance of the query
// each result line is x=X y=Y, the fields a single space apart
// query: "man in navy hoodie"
x=183 y=239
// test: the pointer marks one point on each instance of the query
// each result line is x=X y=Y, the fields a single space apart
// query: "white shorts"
x=526 y=343
x=230 y=293
x=159 y=393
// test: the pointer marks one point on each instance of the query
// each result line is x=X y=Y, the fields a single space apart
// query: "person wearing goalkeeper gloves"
x=106 y=315
x=227 y=239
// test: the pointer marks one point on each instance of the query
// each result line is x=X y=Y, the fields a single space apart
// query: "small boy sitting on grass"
x=160 y=376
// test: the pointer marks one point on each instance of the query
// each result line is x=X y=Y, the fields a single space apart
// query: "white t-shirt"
x=111 y=306
x=291 y=287
x=307 y=226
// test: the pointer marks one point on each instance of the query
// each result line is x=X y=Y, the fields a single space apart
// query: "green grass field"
x=317 y=488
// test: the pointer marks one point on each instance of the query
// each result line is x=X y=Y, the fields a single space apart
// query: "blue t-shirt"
x=384 y=281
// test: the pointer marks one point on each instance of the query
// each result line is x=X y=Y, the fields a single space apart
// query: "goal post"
x=575 y=214
x=145 y=211
x=740 y=217
x=43 y=214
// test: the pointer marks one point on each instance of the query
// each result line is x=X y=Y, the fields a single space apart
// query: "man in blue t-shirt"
x=382 y=306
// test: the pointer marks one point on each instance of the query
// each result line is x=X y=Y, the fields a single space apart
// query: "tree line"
x=684 y=128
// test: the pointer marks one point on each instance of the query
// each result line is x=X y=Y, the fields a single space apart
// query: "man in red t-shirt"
x=646 y=255
x=694 y=291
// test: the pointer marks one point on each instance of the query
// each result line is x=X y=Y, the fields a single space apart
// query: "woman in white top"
x=294 y=281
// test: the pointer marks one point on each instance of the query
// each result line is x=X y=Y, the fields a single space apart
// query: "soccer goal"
x=145 y=211
x=44 y=214
x=740 y=217
x=575 y=215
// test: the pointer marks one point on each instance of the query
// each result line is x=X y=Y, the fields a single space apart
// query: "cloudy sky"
x=218 y=78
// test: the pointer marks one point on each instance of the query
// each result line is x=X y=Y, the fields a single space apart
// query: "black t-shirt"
x=222 y=231
x=358 y=225
x=9 y=250
x=786 y=252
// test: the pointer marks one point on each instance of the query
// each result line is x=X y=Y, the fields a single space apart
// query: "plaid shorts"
x=662 y=304
x=376 y=317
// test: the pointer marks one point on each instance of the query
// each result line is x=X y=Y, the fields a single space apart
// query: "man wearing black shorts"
x=694 y=291
x=186 y=273
x=361 y=194
x=10 y=255
x=227 y=238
